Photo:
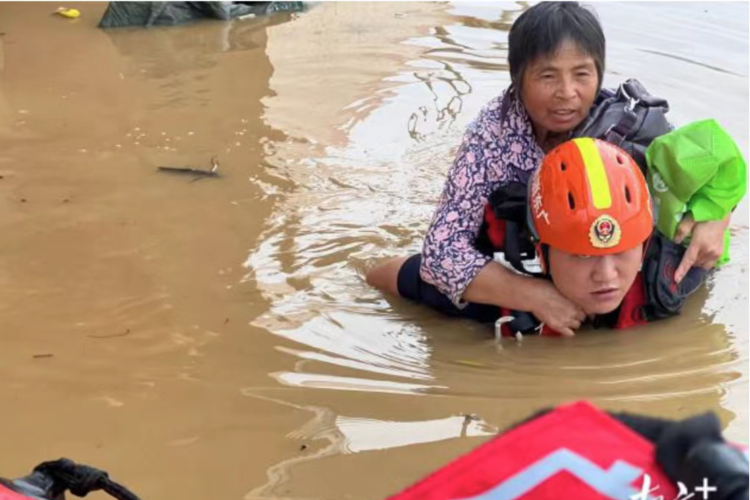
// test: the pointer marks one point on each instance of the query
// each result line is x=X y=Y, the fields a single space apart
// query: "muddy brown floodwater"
x=216 y=339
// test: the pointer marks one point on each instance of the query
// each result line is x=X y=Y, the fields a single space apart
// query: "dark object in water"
x=147 y=14
x=191 y=171
x=50 y=481
x=197 y=172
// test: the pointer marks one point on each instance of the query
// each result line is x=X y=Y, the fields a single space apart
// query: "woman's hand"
x=555 y=311
x=706 y=245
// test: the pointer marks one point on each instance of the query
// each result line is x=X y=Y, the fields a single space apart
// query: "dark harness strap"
x=81 y=480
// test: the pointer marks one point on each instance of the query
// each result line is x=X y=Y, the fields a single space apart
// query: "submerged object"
x=50 y=481
x=147 y=14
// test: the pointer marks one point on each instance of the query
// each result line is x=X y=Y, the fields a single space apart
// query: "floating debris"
x=197 y=172
x=69 y=13
x=469 y=362
x=113 y=335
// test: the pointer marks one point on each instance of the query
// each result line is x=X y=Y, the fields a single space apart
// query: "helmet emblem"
x=605 y=232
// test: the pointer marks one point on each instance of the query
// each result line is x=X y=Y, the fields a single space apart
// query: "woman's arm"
x=450 y=260
x=495 y=284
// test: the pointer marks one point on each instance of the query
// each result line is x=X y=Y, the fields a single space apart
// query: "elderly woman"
x=556 y=54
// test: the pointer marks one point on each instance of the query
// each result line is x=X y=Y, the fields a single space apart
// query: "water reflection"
x=453 y=50
x=327 y=434
x=446 y=112
x=363 y=434
x=163 y=51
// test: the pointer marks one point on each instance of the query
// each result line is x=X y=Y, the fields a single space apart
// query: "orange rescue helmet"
x=589 y=197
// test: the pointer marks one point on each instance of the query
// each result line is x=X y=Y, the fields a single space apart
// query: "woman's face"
x=559 y=89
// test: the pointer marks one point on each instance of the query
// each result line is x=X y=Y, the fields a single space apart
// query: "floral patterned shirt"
x=498 y=147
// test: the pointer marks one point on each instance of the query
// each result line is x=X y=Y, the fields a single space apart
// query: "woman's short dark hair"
x=541 y=30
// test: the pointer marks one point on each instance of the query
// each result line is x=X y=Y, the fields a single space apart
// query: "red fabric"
x=578 y=427
x=549 y=332
x=7 y=494
x=630 y=309
x=495 y=228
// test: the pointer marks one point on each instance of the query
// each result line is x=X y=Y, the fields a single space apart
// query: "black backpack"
x=629 y=118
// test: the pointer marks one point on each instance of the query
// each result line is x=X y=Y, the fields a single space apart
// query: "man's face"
x=595 y=283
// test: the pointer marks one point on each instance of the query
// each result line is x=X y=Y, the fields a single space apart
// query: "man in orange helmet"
x=587 y=217
x=590 y=221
